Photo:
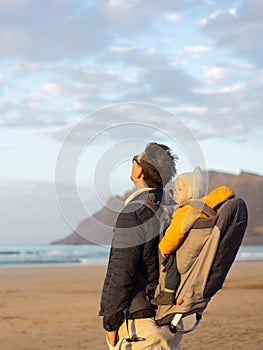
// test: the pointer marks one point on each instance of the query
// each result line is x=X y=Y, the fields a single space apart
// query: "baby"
x=187 y=186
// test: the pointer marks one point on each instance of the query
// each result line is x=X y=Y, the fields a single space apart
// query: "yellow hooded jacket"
x=184 y=217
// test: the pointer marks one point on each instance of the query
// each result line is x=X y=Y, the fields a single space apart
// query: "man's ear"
x=138 y=174
x=141 y=176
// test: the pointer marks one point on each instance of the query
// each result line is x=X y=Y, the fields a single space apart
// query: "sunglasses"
x=135 y=159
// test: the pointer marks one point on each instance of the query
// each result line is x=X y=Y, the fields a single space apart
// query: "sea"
x=82 y=255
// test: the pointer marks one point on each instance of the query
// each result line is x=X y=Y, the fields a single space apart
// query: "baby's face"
x=180 y=191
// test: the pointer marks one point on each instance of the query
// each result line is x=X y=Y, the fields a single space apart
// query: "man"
x=133 y=268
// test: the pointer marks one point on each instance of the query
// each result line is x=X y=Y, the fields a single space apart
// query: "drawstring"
x=134 y=338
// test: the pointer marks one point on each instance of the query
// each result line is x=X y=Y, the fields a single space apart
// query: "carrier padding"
x=232 y=223
x=194 y=259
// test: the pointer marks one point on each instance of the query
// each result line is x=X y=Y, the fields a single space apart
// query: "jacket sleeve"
x=118 y=288
x=182 y=220
x=122 y=270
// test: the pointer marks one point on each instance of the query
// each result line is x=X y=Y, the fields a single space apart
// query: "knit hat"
x=195 y=183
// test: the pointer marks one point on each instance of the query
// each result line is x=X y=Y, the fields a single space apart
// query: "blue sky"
x=192 y=65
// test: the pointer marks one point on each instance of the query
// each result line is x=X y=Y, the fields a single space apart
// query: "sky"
x=85 y=85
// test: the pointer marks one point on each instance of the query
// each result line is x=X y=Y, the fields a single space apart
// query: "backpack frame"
x=203 y=261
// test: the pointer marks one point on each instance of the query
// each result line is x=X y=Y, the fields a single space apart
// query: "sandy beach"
x=57 y=308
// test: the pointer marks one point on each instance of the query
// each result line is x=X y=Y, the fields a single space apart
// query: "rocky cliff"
x=99 y=228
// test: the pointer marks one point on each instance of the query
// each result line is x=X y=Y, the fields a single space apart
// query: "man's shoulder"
x=144 y=199
x=137 y=208
x=136 y=212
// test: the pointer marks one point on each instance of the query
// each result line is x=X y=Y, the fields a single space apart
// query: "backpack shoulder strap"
x=163 y=213
x=204 y=208
x=151 y=205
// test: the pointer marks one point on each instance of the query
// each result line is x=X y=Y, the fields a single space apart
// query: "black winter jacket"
x=133 y=263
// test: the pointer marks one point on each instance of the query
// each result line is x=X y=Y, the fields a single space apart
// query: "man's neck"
x=140 y=184
x=137 y=193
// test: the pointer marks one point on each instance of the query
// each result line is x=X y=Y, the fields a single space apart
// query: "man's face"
x=136 y=173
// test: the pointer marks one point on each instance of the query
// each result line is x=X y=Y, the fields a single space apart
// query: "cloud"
x=196 y=50
x=68 y=73
x=238 y=30
x=4 y=84
x=120 y=49
x=173 y=17
x=37 y=31
x=53 y=88
x=52 y=30
x=236 y=88
x=216 y=74
x=32 y=112
x=27 y=68
x=65 y=88
x=153 y=76
x=171 y=83
x=170 y=87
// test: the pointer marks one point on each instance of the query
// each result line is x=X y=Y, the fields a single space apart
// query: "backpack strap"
x=177 y=318
x=162 y=212
x=151 y=205
x=203 y=207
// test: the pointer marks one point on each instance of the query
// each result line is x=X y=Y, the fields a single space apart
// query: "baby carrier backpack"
x=203 y=261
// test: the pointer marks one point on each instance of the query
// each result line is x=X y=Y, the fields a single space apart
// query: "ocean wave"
x=82 y=255
x=50 y=255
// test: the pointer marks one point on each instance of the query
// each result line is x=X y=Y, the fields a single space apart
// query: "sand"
x=57 y=308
